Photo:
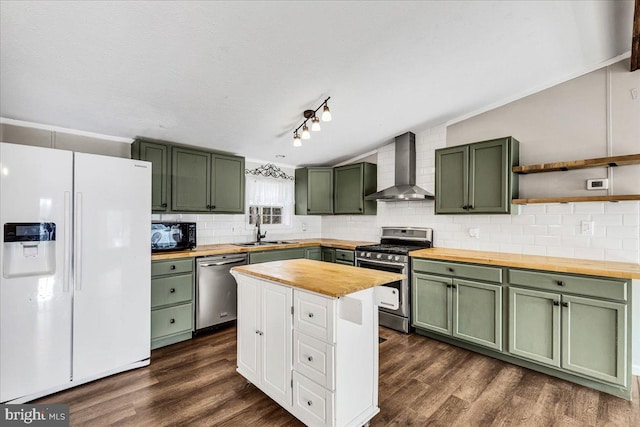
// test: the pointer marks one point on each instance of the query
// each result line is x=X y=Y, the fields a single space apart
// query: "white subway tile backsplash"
x=589 y=207
x=589 y=253
x=548 y=219
x=536 y=229
x=560 y=208
x=559 y=251
x=619 y=255
x=534 y=209
x=607 y=243
x=630 y=219
x=607 y=219
x=622 y=207
x=534 y=250
x=547 y=240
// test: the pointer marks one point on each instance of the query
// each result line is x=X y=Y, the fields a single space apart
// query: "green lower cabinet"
x=276 y=255
x=345 y=257
x=328 y=255
x=313 y=253
x=466 y=310
x=594 y=338
x=477 y=313
x=534 y=325
x=172 y=292
x=431 y=303
x=582 y=335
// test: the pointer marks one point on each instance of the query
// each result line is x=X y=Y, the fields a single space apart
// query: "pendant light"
x=296 y=140
x=305 y=131
x=326 y=114
x=315 y=124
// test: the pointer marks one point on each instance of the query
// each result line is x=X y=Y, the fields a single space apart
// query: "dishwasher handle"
x=231 y=261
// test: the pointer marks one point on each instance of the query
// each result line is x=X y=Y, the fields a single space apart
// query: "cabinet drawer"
x=478 y=272
x=171 y=266
x=171 y=290
x=171 y=320
x=312 y=404
x=313 y=315
x=314 y=359
x=589 y=286
x=344 y=255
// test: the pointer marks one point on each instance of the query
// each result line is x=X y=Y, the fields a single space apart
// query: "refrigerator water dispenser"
x=29 y=249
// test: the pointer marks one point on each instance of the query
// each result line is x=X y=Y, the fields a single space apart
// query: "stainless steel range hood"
x=405 y=188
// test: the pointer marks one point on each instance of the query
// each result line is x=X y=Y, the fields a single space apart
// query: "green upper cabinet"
x=206 y=182
x=159 y=155
x=314 y=191
x=350 y=184
x=227 y=184
x=477 y=178
x=190 y=189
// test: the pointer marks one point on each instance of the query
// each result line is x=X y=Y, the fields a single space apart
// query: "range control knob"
x=390 y=257
x=378 y=256
x=362 y=254
x=397 y=258
x=368 y=254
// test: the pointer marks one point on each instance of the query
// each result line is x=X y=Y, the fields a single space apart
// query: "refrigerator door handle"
x=67 y=242
x=77 y=261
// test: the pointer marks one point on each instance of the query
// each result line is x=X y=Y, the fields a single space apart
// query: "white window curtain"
x=264 y=191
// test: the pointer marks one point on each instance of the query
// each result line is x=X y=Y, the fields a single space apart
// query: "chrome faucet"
x=259 y=236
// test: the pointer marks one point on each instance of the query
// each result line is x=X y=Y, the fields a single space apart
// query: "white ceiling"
x=236 y=76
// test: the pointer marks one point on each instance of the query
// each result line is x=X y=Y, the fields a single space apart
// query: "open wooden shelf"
x=577 y=199
x=630 y=159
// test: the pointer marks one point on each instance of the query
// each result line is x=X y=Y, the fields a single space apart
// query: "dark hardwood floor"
x=422 y=382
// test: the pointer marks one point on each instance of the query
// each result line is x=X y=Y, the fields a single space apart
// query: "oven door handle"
x=393 y=264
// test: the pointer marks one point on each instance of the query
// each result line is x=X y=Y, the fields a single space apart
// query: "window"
x=268 y=214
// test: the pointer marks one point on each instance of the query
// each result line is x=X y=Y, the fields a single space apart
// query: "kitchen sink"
x=265 y=243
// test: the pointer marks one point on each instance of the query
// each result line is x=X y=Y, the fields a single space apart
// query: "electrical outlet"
x=634 y=93
x=598 y=184
x=474 y=232
x=586 y=228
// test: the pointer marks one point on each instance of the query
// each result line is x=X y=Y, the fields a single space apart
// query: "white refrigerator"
x=75 y=269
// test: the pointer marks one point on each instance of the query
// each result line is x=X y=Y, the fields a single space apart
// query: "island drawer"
x=171 y=320
x=171 y=290
x=314 y=315
x=172 y=266
x=312 y=403
x=581 y=285
x=314 y=358
x=467 y=271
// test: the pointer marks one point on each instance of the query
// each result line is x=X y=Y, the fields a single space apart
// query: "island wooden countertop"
x=624 y=270
x=334 y=280
x=230 y=248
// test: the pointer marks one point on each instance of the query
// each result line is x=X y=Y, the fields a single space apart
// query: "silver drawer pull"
x=310 y=359
x=309 y=402
x=310 y=315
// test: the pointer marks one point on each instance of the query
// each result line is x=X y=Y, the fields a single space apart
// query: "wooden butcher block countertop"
x=624 y=270
x=334 y=280
x=229 y=248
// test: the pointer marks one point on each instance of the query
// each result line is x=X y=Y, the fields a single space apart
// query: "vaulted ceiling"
x=236 y=76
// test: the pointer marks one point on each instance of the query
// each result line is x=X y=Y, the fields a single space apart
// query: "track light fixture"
x=315 y=123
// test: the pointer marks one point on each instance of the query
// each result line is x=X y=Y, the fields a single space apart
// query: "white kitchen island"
x=308 y=337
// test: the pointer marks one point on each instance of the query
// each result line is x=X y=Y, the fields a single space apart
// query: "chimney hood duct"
x=405 y=188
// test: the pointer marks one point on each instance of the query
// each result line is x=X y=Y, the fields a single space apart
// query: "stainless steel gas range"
x=392 y=254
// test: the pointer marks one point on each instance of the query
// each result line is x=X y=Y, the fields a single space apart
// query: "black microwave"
x=173 y=236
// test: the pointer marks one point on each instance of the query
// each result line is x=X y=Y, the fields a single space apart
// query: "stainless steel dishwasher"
x=216 y=290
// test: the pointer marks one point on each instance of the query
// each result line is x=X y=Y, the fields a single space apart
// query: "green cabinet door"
x=227 y=184
x=477 y=313
x=190 y=189
x=477 y=178
x=158 y=155
x=351 y=183
x=489 y=172
x=328 y=255
x=313 y=253
x=452 y=180
x=276 y=255
x=594 y=338
x=431 y=303
x=320 y=191
x=534 y=325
